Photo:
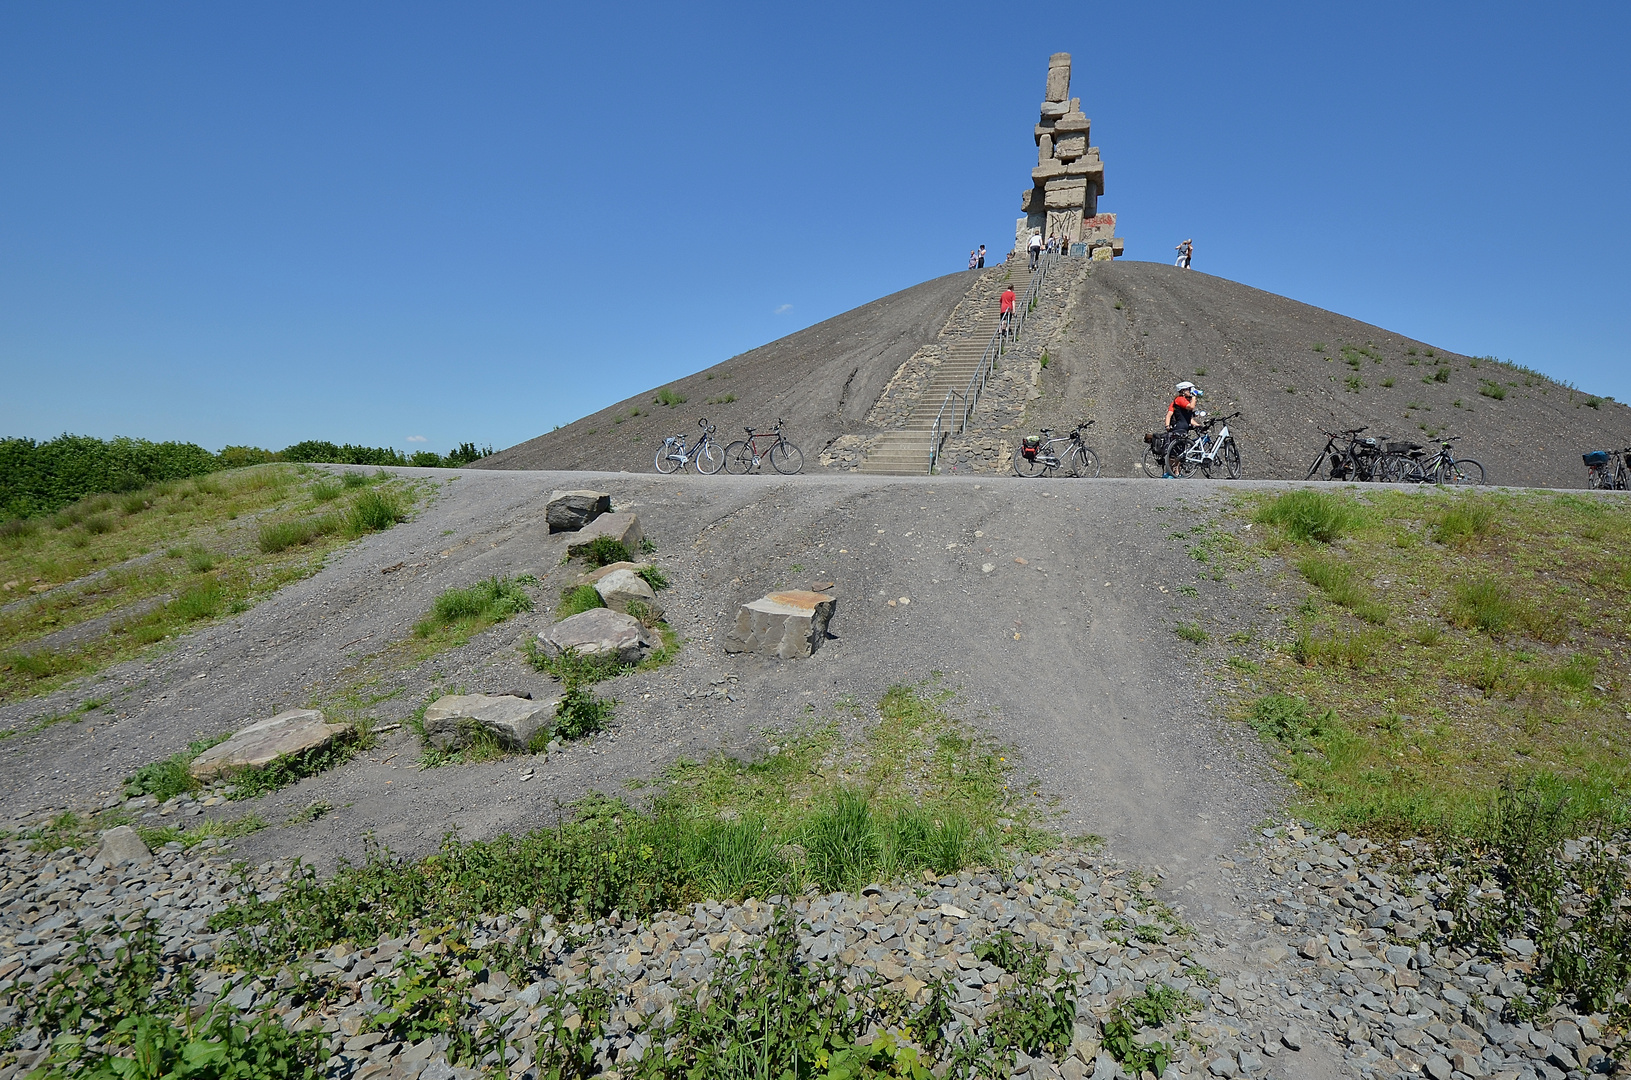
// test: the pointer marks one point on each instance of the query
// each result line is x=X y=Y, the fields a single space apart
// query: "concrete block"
x=783 y=624
x=1058 y=77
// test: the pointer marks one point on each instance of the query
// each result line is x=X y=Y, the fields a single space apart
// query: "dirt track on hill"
x=1064 y=648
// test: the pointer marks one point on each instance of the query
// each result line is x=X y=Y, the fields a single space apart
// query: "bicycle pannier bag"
x=1595 y=458
x=1402 y=447
x=1158 y=443
x=1028 y=446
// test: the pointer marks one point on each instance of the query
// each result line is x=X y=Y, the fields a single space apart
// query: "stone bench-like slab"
x=624 y=527
x=571 y=510
x=451 y=722
x=265 y=741
x=784 y=624
x=599 y=632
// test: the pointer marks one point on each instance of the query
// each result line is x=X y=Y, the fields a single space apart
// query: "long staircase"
x=910 y=449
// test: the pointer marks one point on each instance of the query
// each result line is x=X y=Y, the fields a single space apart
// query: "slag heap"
x=1069 y=177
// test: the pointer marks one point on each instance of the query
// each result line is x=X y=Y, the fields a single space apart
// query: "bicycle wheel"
x=665 y=459
x=1081 y=461
x=739 y=458
x=1313 y=470
x=1231 y=459
x=1027 y=466
x=1464 y=473
x=786 y=458
x=1151 y=464
x=1178 y=461
x=710 y=458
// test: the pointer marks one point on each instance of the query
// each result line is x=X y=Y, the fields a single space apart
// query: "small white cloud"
x=417 y=438
x=784 y=309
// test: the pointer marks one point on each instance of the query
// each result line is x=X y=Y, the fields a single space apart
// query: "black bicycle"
x=1350 y=457
x=1445 y=468
x=745 y=455
x=1042 y=456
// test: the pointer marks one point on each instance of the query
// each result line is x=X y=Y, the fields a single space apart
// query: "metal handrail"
x=998 y=345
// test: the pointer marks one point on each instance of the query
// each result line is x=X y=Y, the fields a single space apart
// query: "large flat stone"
x=569 y=510
x=1072 y=121
x=264 y=741
x=783 y=624
x=620 y=587
x=451 y=722
x=1070 y=147
x=599 y=632
x=593 y=576
x=623 y=527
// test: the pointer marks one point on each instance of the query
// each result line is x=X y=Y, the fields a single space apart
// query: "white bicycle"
x=708 y=454
x=1198 y=453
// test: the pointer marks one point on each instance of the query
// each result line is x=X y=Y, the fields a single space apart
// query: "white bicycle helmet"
x=1188 y=387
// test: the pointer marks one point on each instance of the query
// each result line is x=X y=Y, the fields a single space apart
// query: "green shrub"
x=603 y=551
x=18 y=528
x=1286 y=719
x=484 y=603
x=1307 y=515
x=576 y=599
x=39 y=478
x=352 y=479
x=374 y=511
x=1492 y=390
x=170 y=777
x=653 y=577
x=1442 y=375
x=39 y=663
x=1338 y=581
x=1465 y=519
x=281 y=535
x=669 y=398
x=1483 y=603
x=316 y=450
x=1192 y=632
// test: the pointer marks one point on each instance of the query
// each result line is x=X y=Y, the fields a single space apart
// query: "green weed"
x=668 y=398
x=1306 y=515
x=1192 y=632
x=576 y=599
x=463 y=612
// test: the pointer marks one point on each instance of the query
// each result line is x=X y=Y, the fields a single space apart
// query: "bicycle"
x=706 y=453
x=1360 y=460
x=743 y=455
x=1188 y=454
x=1608 y=470
x=1038 y=456
x=1444 y=468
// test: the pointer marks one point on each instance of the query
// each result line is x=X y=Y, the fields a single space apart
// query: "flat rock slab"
x=599 y=632
x=451 y=722
x=599 y=572
x=783 y=624
x=122 y=845
x=266 y=740
x=623 y=587
x=623 y=527
x=571 y=510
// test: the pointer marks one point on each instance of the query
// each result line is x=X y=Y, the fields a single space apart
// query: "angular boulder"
x=570 y=510
x=266 y=740
x=452 y=721
x=599 y=632
x=784 y=624
x=122 y=845
x=619 y=587
x=623 y=527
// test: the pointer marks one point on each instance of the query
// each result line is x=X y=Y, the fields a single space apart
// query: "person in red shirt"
x=1180 y=415
x=1008 y=307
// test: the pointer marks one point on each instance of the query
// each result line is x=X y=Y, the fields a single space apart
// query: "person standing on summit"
x=982 y=257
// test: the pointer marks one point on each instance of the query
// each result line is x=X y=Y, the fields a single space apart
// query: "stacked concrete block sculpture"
x=1063 y=200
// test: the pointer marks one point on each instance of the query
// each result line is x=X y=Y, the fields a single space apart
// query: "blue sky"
x=368 y=222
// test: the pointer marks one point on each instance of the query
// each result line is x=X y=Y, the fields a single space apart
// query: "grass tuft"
x=576 y=599
x=467 y=611
x=1307 y=515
